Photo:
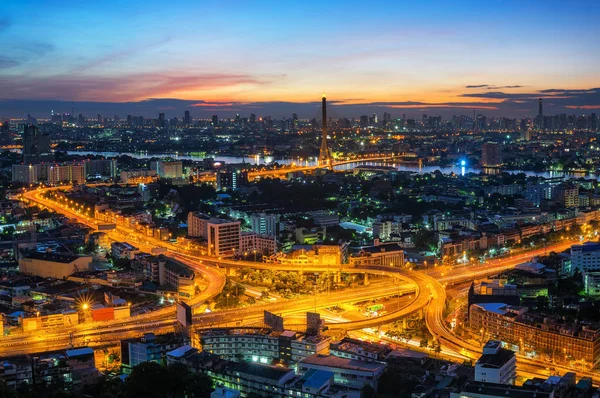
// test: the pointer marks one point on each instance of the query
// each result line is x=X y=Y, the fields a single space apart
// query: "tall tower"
x=541 y=112
x=324 y=154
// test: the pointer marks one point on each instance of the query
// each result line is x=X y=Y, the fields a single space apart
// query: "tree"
x=198 y=386
x=150 y=380
x=6 y=391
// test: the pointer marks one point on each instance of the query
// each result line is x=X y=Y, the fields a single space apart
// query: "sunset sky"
x=234 y=56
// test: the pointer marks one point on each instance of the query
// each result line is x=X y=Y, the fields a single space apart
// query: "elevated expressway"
x=428 y=287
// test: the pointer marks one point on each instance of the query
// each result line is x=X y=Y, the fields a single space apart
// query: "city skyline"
x=129 y=59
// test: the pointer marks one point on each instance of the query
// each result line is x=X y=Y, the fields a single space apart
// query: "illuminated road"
x=428 y=289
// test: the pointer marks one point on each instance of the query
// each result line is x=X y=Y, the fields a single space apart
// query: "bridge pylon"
x=324 y=152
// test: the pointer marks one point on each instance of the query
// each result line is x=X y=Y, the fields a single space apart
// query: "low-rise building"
x=348 y=372
x=496 y=365
x=531 y=332
x=262 y=345
x=51 y=265
x=388 y=254
x=123 y=250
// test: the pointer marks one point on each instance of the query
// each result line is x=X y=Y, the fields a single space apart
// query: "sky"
x=278 y=57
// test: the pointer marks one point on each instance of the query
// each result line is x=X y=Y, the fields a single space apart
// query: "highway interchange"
x=426 y=289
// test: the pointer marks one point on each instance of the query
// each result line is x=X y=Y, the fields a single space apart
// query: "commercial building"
x=586 y=257
x=262 y=379
x=138 y=176
x=529 y=332
x=491 y=154
x=253 y=244
x=359 y=350
x=198 y=224
x=262 y=345
x=231 y=179
x=265 y=224
x=72 y=368
x=389 y=254
x=71 y=173
x=347 y=372
x=490 y=390
x=50 y=265
x=177 y=276
x=311 y=255
x=224 y=237
x=496 y=365
x=100 y=167
x=173 y=169
x=567 y=195
x=26 y=173
x=123 y=250
x=149 y=347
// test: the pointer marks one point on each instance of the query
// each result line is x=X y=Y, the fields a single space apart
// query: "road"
x=428 y=287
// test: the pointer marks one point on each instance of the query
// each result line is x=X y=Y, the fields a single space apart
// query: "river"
x=258 y=160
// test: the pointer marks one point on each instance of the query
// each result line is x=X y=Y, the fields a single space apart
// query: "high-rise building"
x=25 y=173
x=265 y=224
x=71 y=173
x=187 y=119
x=567 y=195
x=231 y=179
x=161 y=120
x=586 y=257
x=215 y=120
x=491 y=154
x=198 y=225
x=540 y=108
x=167 y=169
x=35 y=145
x=224 y=237
x=5 y=132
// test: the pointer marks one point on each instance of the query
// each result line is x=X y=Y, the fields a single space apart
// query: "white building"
x=224 y=237
x=198 y=225
x=496 y=365
x=586 y=257
x=265 y=224
x=347 y=372
x=72 y=173
x=382 y=229
x=172 y=169
x=252 y=243
x=591 y=283
x=25 y=173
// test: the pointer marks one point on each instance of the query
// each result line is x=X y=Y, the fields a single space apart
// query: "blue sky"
x=405 y=55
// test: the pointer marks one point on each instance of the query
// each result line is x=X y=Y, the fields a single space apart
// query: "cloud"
x=6 y=62
x=122 y=88
x=492 y=87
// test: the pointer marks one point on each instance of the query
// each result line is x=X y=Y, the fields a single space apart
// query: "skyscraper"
x=541 y=111
x=187 y=120
x=215 y=120
x=161 y=120
x=324 y=154
x=491 y=154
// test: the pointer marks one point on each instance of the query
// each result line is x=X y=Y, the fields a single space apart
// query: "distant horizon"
x=277 y=58
x=199 y=109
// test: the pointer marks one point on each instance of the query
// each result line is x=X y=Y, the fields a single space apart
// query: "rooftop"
x=259 y=370
x=497 y=360
x=80 y=351
x=57 y=258
x=342 y=363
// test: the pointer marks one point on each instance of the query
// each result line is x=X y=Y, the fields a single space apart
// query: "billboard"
x=103 y=314
x=313 y=323
x=273 y=321
x=184 y=314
